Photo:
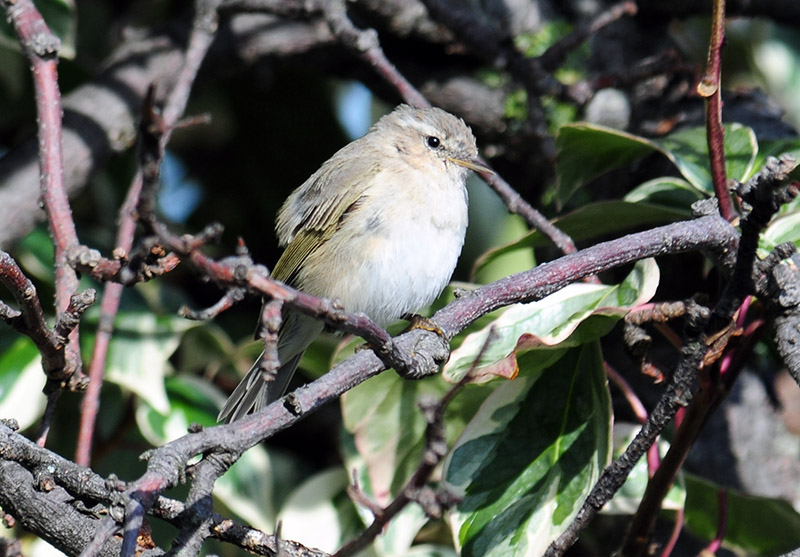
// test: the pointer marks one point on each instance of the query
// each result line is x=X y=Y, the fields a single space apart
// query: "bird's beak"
x=471 y=165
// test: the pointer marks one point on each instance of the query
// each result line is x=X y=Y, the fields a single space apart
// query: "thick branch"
x=708 y=233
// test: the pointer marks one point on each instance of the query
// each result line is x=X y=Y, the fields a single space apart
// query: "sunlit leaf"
x=21 y=382
x=319 y=514
x=399 y=534
x=139 y=353
x=549 y=322
x=526 y=461
x=385 y=436
x=666 y=192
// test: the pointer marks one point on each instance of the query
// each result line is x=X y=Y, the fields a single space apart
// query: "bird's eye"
x=433 y=142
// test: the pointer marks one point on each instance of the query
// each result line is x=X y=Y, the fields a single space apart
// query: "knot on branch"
x=147 y=261
x=420 y=356
x=697 y=317
x=44 y=44
x=69 y=319
x=638 y=340
x=783 y=301
x=706 y=207
x=770 y=188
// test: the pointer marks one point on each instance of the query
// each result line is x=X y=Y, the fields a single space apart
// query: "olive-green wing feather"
x=316 y=209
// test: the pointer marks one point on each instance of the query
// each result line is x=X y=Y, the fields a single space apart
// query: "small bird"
x=379 y=227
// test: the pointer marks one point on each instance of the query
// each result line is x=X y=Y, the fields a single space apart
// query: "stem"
x=710 y=88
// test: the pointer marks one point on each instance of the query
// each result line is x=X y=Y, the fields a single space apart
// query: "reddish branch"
x=424 y=348
x=710 y=87
x=41 y=47
x=153 y=262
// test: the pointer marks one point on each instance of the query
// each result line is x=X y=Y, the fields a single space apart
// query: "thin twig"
x=112 y=296
x=203 y=32
x=365 y=43
x=710 y=87
x=722 y=522
x=41 y=47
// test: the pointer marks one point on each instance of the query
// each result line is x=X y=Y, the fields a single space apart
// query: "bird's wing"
x=317 y=208
x=314 y=212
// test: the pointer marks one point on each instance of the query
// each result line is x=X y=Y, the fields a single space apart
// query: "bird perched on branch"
x=379 y=227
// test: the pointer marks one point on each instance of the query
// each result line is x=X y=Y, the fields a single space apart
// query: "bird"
x=378 y=228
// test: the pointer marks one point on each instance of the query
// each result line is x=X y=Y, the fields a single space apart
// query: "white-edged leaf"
x=247 y=489
x=549 y=323
x=318 y=513
x=785 y=228
x=21 y=383
x=526 y=462
x=399 y=534
x=139 y=352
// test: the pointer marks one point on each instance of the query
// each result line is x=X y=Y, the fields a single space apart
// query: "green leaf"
x=510 y=230
x=384 y=438
x=667 y=192
x=586 y=151
x=399 y=534
x=525 y=463
x=247 y=488
x=430 y=551
x=550 y=322
x=754 y=525
x=688 y=150
x=785 y=228
x=139 y=352
x=191 y=400
x=388 y=428
x=21 y=382
x=775 y=148
x=36 y=255
x=319 y=514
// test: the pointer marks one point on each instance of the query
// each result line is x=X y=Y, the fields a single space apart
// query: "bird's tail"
x=256 y=391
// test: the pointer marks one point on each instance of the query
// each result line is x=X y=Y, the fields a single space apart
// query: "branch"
x=30 y=321
x=707 y=233
x=203 y=31
x=37 y=485
x=710 y=88
x=40 y=47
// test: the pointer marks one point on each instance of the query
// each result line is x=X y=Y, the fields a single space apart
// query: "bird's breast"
x=394 y=254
